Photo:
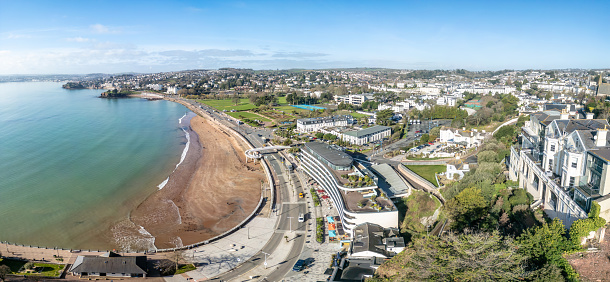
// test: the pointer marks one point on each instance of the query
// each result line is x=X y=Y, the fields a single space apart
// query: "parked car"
x=301 y=218
x=299 y=265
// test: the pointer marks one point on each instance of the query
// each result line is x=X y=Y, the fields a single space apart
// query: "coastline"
x=202 y=198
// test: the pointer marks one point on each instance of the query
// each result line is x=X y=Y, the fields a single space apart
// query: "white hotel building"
x=353 y=200
x=305 y=125
x=564 y=163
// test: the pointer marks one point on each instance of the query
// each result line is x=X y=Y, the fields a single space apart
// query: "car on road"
x=301 y=195
x=299 y=265
x=301 y=218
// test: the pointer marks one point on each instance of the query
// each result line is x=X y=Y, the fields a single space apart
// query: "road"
x=288 y=210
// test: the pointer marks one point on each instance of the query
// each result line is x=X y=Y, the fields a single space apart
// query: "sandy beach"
x=210 y=192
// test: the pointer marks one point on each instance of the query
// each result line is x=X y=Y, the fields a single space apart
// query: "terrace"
x=367 y=201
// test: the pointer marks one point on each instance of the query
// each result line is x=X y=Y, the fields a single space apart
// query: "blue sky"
x=50 y=37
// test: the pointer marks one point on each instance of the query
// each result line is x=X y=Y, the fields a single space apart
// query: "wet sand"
x=212 y=191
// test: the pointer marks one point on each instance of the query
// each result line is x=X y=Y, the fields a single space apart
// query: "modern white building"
x=353 y=99
x=173 y=90
x=305 y=125
x=356 y=195
x=361 y=136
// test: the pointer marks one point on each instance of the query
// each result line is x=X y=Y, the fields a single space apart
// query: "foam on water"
x=184 y=152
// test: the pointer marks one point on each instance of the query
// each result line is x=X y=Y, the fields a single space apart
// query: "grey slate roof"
x=370 y=237
x=603 y=89
x=367 y=131
x=332 y=155
x=112 y=264
x=546 y=117
x=568 y=126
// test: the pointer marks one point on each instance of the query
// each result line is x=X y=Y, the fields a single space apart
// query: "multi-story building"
x=351 y=186
x=315 y=124
x=563 y=163
x=361 y=136
x=468 y=138
x=353 y=99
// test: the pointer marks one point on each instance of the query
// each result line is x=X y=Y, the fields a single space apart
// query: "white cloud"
x=100 y=28
x=17 y=36
x=79 y=39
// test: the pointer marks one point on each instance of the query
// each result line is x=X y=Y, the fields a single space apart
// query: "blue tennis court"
x=309 y=107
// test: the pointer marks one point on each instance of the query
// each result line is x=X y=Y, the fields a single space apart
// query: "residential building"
x=352 y=187
x=110 y=265
x=361 y=136
x=468 y=138
x=305 y=125
x=354 y=99
x=563 y=162
x=372 y=240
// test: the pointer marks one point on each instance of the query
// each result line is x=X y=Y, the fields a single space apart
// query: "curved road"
x=287 y=210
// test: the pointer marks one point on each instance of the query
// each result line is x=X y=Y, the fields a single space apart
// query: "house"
x=111 y=265
x=468 y=138
x=372 y=240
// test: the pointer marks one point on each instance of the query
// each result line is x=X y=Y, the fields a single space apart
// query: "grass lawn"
x=42 y=269
x=411 y=209
x=228 y=105
x=247 y=115
x=427 y=171
x=282 y=100
x=185 y=268
x=354 y=114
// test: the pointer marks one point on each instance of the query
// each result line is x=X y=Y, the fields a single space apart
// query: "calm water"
x=72 y=165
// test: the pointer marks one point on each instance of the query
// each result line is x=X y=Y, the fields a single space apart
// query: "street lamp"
x=266 y=254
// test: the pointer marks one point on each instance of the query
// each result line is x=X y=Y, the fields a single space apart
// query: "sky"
x=77 y=37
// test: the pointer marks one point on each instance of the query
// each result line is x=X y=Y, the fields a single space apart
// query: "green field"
x=228 y=105
x=282 y=100
x=42 y=269
x=427 y=171
x=251 y=116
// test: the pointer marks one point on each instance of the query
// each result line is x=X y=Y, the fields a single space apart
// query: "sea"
x=73 y=165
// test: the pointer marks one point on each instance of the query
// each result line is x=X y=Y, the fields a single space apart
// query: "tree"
x=235 y=100
x=383 y=117
x=4 y=270
x=467 y=207
x=546 y=244
x=319 y=135
x=466 y=257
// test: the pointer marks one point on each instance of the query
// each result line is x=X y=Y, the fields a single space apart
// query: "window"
x=551 y=164
x=574 y=165
x=572 y=181
x=552 y=148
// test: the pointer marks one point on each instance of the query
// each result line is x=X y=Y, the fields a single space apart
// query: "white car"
x=301 y=218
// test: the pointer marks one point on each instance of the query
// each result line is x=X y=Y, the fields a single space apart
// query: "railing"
x=574 y=208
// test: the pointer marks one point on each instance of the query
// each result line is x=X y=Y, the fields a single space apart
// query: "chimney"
x=565 y=114
x=602 y=135
x=589 y=115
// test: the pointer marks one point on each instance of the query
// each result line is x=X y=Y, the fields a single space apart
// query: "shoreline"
x=201 y=199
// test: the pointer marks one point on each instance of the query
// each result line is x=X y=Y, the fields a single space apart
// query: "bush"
x=583 y=227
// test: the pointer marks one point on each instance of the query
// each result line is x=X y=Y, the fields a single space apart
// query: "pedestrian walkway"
x=227 y=253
